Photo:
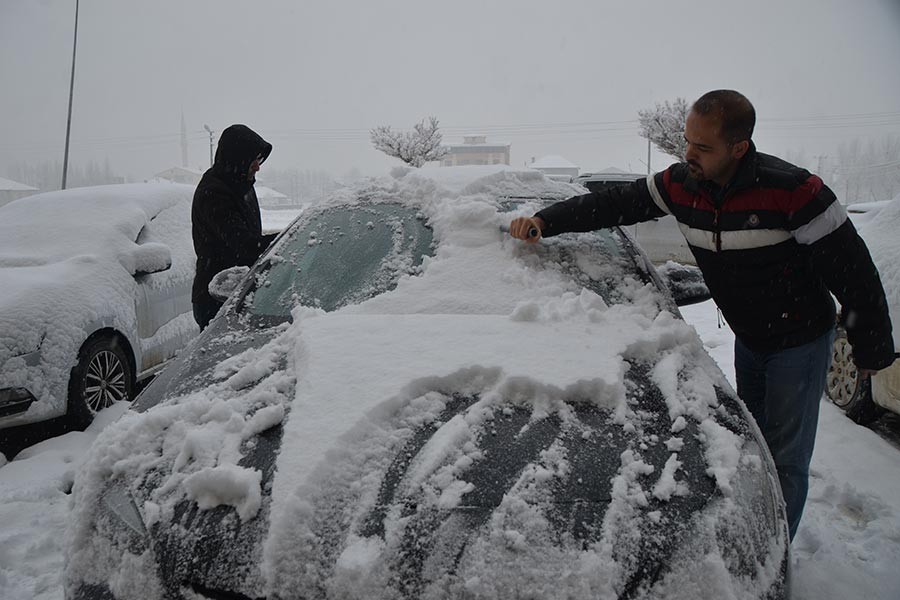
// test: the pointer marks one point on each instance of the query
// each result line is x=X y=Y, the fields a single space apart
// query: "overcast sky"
x=561 y=77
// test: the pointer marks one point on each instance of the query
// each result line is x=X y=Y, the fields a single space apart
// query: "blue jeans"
x=783 y=389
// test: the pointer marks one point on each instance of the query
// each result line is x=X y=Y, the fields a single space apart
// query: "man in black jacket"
x=772 y=241
x=226 y=224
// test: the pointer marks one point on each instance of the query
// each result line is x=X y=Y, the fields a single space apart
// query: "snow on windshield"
x=486 y=318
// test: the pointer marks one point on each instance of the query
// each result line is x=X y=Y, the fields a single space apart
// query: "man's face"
x=254 y=167
x=708 y=155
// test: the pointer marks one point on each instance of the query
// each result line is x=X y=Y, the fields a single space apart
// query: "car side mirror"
x=685 y=282
x=226 y=282
x=148 y=258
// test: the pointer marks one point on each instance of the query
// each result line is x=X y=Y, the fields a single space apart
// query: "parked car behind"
x=866 y=400
x=661 y=238
x=401 y=401
x=94 y=296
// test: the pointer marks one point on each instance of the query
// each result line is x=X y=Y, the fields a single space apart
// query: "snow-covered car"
x=867 y=399
x=94 y=296
x=401 y=401
x=661 y=238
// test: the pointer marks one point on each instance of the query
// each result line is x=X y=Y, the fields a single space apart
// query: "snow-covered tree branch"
x=415 y=147
x=664 y=126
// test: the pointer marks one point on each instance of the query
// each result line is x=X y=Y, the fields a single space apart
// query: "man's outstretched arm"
x=619 y=205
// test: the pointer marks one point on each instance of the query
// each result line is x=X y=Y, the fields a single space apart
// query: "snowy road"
x=848 y=545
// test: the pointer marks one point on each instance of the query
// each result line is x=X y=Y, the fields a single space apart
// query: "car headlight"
x=14 y=400
x=739 y=541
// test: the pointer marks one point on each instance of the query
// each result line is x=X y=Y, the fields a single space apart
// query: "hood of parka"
x=238 y=147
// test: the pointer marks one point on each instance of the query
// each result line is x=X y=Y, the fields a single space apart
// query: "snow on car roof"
x=497 y=180
x=98 y=221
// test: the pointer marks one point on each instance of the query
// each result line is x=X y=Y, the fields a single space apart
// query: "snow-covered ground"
x=848 y=545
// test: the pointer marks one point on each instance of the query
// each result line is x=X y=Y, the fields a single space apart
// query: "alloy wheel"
x=843 y=377
x=104 y=381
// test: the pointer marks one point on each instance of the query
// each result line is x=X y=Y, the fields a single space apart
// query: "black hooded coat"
x=226 y=224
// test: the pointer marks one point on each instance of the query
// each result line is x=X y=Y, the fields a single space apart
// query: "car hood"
x=496 y=454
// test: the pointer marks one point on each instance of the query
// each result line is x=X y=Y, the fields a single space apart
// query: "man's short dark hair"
x=737 y=115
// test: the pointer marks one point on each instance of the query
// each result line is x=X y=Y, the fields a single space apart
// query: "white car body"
x=880 y=235
x=83 y=262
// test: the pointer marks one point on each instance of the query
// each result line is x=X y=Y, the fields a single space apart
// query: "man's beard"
x=696 y=170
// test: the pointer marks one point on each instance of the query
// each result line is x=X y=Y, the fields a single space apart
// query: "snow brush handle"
x=532 y=231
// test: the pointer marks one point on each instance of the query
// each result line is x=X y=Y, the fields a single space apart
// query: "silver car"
x=94 y=296
x=865 y=400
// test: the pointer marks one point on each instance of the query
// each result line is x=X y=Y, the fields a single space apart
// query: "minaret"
x=184 y=155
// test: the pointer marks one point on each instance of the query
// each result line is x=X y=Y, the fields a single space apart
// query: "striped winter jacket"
x=771 y=245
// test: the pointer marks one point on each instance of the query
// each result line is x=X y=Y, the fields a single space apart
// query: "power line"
x=583 y=130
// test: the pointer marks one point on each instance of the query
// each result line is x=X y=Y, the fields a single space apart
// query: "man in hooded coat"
x=226 y=224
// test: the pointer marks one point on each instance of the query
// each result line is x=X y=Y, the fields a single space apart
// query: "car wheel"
x=102 y=377
x=844 y=386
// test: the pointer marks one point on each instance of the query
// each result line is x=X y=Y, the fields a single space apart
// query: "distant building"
x=186 y=175
x=555 y=167
x=13 y=190
x=475 y=150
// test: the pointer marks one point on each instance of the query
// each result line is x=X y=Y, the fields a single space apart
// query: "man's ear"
x=739 y=149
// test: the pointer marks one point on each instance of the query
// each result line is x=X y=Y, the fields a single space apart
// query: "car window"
x=339 y=256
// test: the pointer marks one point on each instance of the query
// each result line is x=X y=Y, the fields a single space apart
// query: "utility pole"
x=648 y=155
x=211 y=143
x=71 y=89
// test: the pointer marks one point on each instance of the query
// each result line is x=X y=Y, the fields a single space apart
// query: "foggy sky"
x=564 y=77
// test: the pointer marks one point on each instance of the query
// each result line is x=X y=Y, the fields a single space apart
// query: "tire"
x=103 y=375
x=845 y=388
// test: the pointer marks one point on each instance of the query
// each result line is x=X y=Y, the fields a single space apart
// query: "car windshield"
x=338 y=256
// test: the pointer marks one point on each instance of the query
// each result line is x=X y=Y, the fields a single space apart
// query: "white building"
x=475 y=150
x=13 y=190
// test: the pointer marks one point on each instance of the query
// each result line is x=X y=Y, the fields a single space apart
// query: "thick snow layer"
x=497 y=180
x=848 y=544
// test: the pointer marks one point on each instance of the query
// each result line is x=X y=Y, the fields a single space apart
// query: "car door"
x=165 y=321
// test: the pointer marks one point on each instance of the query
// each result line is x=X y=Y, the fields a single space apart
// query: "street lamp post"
x=71 y=89
x=210 y=132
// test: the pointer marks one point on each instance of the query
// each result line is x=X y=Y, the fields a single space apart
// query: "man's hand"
x=527 y=228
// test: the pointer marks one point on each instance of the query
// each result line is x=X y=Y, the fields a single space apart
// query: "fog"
x=564 y=77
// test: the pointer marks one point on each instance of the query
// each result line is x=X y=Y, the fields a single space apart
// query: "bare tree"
x=415 y=147
x=865 y=173
x=664 y=126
